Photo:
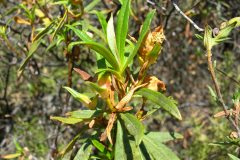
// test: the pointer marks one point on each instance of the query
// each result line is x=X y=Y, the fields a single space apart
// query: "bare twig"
x=217 y=88
x=186 y=17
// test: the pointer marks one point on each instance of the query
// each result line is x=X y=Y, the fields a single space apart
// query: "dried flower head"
x=149 y=41
x=153 y=83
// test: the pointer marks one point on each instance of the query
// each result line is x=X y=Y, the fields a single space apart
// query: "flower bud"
x=153 y=83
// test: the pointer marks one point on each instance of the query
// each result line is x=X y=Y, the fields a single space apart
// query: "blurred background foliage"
x=27 y=103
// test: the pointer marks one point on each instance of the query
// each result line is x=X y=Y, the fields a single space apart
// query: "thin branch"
x=186 y=17
x=217 y=88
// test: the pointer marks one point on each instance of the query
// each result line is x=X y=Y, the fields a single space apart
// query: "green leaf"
x=217 y=41
x=98 y=32
x=102 y=21
x=161 y=100
x=19 y=148
x=33 y=13
x=112 y=40
x=102 y=157
x=83 y=36
x=89 y=113
x=153 y=54
x=225 y=31
x=95 y=88
x=215 y=98
x=145 y=28
x=91 y=5
x=40 y=34
x=11 y=156
x=134 y=126
x=51 y=45
x=85 y=25
x=61 y=24
x=71 y=120
x=11 y=10
x=85 y=150
x=123 y=149
x=80 y=97
x=122 y=28
x=164 y=136
x=68 y=151
x=32 y=49
x=158 y=150
x=219 y=144
x=29 y=15
x=101 y=50
x=102 y=148
x=60 y=2
x=199 y=37
x=233 y=157
x=111 y=71
x=145 y=155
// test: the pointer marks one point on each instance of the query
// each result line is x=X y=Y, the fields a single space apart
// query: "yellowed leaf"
x=39 y=13
x=46 y=20
x=20 y=20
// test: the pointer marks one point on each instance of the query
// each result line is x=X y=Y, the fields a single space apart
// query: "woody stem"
x=217 y=88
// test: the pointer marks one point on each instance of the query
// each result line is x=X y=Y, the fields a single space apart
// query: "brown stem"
x=12 y=47
x=217 y=88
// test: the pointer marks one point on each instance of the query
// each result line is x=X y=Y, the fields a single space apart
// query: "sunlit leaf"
x=95 y=88
x=219 y=144
x=98 y=32
x=11 y=156
x=145 y=28
x=111 y=71
x=102 y=21
x=85 y=25
x=101 y=148
x=134 y=126
x=19 y=148
x=40 y=34
x=161 y=100
x=89 y=113
x=199 y=37
x=61 y=24
x=122 y=28
x=101 y=50
x=71 y=120
x=233 y=157
x=112 y=40
x=225 y=31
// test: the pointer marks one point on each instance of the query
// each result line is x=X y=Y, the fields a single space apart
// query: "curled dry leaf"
x=223 y=113
x=234 y=135
x=110 y=126
x=92 y=123
x=20 y=20
x=153 y=83
x=104 y=136
x=128 y=97
x=85 y=76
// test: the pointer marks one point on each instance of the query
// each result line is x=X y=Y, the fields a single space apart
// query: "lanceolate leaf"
x=214 y=96
x=11 y=156
x=44 y=31
x=102 y=148
x=91 y=5
x=61 y=24
x=225 y=31
x=98 y=32
x=145 y=28
x=85 y=150
x=71 y=120
x=158 y=150
x=161 y=100
x=233 y=157
x=95 y=88
x=123 y=149
x=122 y=28
x=164 y=136
x=102 y=21
x=101 y=50
x=134 y=126
x=100 y=60
x=89 y=113
x=112 y=40
x=32 y=49
x=19 y=148
x=222 y=144
x=68 y=151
